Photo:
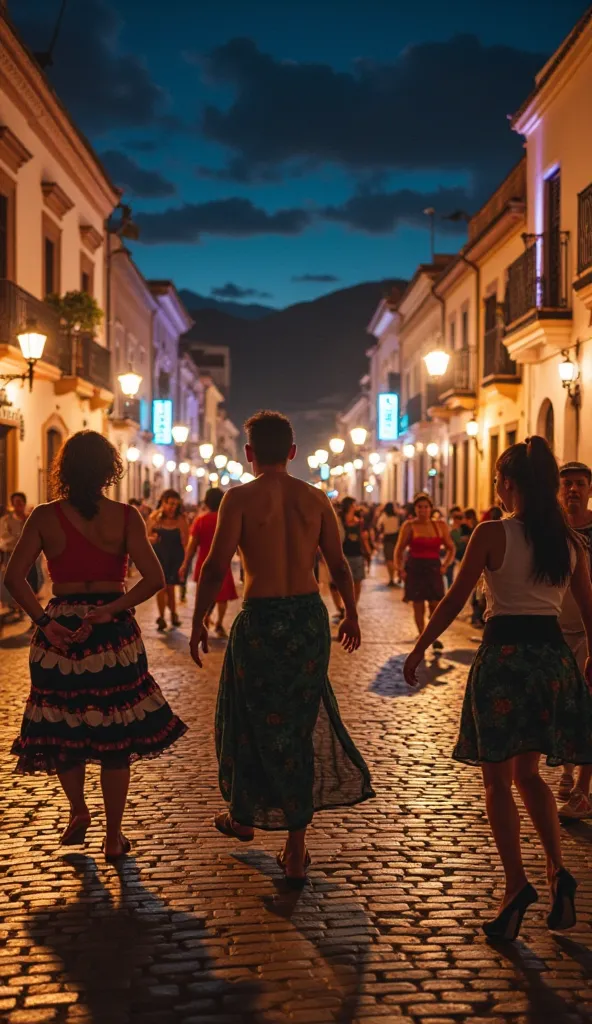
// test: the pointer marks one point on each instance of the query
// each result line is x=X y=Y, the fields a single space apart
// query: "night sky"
x=274 y=151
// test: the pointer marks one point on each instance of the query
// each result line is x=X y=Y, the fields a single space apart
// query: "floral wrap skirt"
x=283 y=751
x=97 y=703
x=525 y=697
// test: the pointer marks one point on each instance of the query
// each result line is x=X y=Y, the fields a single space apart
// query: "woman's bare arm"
x=26 y=552
x=142 y=554
x=402 y=545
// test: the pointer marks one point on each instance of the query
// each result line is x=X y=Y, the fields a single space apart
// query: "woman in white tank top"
x=525 y=695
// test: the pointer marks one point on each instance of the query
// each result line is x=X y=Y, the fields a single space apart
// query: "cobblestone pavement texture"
x=193 y=928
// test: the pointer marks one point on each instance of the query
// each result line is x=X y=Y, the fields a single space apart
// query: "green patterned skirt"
x=283 y=751
x=525 y=697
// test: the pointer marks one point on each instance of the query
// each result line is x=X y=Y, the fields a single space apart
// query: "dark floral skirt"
x=283 y=751
x=522 y=698
x=423 y=580
x=97 y=703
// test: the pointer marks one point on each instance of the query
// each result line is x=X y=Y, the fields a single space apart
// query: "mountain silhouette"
x=243 y=310
x=305 y=360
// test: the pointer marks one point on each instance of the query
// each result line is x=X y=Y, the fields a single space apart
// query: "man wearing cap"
x=575 y=492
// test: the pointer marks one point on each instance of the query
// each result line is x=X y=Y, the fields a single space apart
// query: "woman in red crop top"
x=92 y=698
x=423 y=571
x=201 y=536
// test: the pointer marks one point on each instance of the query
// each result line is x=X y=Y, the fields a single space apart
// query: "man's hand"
x=412 y=663
x=199 y=637
x=349 y=635
x=58 y=636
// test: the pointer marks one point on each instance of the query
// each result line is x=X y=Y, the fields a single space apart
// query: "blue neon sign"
x=162 y=420
x=388 y=416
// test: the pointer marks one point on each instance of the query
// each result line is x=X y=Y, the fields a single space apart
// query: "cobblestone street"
x=195 y=928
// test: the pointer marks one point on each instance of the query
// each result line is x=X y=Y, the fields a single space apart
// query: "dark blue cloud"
x=235 y=292
x=136 y=180
x=233 y=218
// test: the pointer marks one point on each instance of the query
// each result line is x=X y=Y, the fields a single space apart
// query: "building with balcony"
x=421 y=328
x=548 y=296
x=385 y=378
x=482 y=382
x=54 y=200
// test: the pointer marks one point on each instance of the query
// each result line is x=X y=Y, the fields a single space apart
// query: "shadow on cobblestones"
x=139 y=960
x=544 y=1005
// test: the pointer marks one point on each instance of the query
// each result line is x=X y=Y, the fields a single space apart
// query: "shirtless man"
x=575 y=492
x=276 y=711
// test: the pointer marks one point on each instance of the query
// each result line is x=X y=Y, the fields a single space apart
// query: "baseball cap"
x=576 y=467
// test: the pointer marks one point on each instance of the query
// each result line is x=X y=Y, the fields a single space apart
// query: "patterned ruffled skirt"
x=283 y=751
x=98 y=703
x=523 y=697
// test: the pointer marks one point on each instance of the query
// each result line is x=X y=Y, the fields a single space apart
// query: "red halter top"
x=425 y=547
x=81 y=560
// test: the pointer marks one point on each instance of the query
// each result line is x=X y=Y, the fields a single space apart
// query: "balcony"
x=413 y=411
x=419 y=406
x=537 y=306
x=77 y=363
x=86 y=369
x=16 y=307
x=126 y=412
x=583 y=282
x=458 y=388
x=499 y=370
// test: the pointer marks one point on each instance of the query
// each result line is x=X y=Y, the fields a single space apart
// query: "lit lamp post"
x=158 y=460
x=337 y=444
x=220 y=461
x=437 y=363
x=129 y=382
x=32 y=343
x=180 y=433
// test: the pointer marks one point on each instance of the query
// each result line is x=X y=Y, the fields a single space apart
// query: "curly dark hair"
x=86 y=464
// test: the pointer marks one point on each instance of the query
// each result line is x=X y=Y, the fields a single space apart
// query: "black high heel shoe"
x=506 y=925
x=563 y=911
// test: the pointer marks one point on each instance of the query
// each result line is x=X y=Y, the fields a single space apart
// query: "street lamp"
x=171 y=465
x=433 y=450
x=358 y=463
x=213 y=478
x=373 y=458
x=349 y=467
x=358 y=436
x=206 y=451
x=133 y=453
x=322 y=456
x=408 y=451
x=158 y=460
x=129 y=382
x=472 y=427
x=184 y=468
x=220 y=461
x=200 y=472
x=337 y=444
x=569 y=375
x=32 y=343
x=437 y=363
x=225 y=480
x=379 y=467
x=337 y=471
x=180 y=433
x=313 y=462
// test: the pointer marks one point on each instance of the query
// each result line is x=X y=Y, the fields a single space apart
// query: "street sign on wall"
x=162 y=420
x=388 y=416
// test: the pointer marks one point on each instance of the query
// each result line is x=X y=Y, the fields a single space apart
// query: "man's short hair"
x=271 y=437
x=576 y=467
x=19 y=494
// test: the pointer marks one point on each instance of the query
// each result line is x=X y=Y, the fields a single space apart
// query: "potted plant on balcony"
x=78 y=312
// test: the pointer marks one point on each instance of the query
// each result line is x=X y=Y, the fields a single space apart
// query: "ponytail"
x=533 y=468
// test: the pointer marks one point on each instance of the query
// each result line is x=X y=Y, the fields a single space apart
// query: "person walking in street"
x=92 y=698
x=525 y=695
x=388 y=526
x=574 y=492
x=11 y=527
x=283 y=751
x=169 y=532
x=422 y=540
x=356 y=545
x=201 y=537
x=455 y=518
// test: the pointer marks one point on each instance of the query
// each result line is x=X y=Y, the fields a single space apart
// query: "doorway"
x=53 y=443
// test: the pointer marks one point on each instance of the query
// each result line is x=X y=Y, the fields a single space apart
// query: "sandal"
x=75 y=833
x=221 y=632
x=294 y=881
x=223 y=822
x=161 y=624
x=113 y=858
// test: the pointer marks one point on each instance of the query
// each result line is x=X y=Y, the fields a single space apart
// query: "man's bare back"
x=281 y=527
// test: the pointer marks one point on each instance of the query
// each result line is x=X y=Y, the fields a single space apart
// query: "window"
x=464 y=325
x=454 y=467
x=493 y=457
x=466 y=467
x=87 y=274
x=7 y=226
x=51 y=256
x=511 y=437
x=164 y=384
x=452 y=334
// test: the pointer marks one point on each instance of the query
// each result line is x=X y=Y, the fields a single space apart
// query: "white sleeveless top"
x=512 y=589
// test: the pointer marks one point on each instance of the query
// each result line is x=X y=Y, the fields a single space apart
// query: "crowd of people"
x=284 y=752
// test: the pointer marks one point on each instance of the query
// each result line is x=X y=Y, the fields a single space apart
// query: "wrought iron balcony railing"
x=585 y=230
x=461 y=376
x=496 y=361
x=537 y=282
x=16 y=307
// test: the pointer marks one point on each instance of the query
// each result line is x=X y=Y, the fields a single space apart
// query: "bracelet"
x=43 y=620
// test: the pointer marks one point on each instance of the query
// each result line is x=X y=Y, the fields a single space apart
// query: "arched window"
x=546 y=423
